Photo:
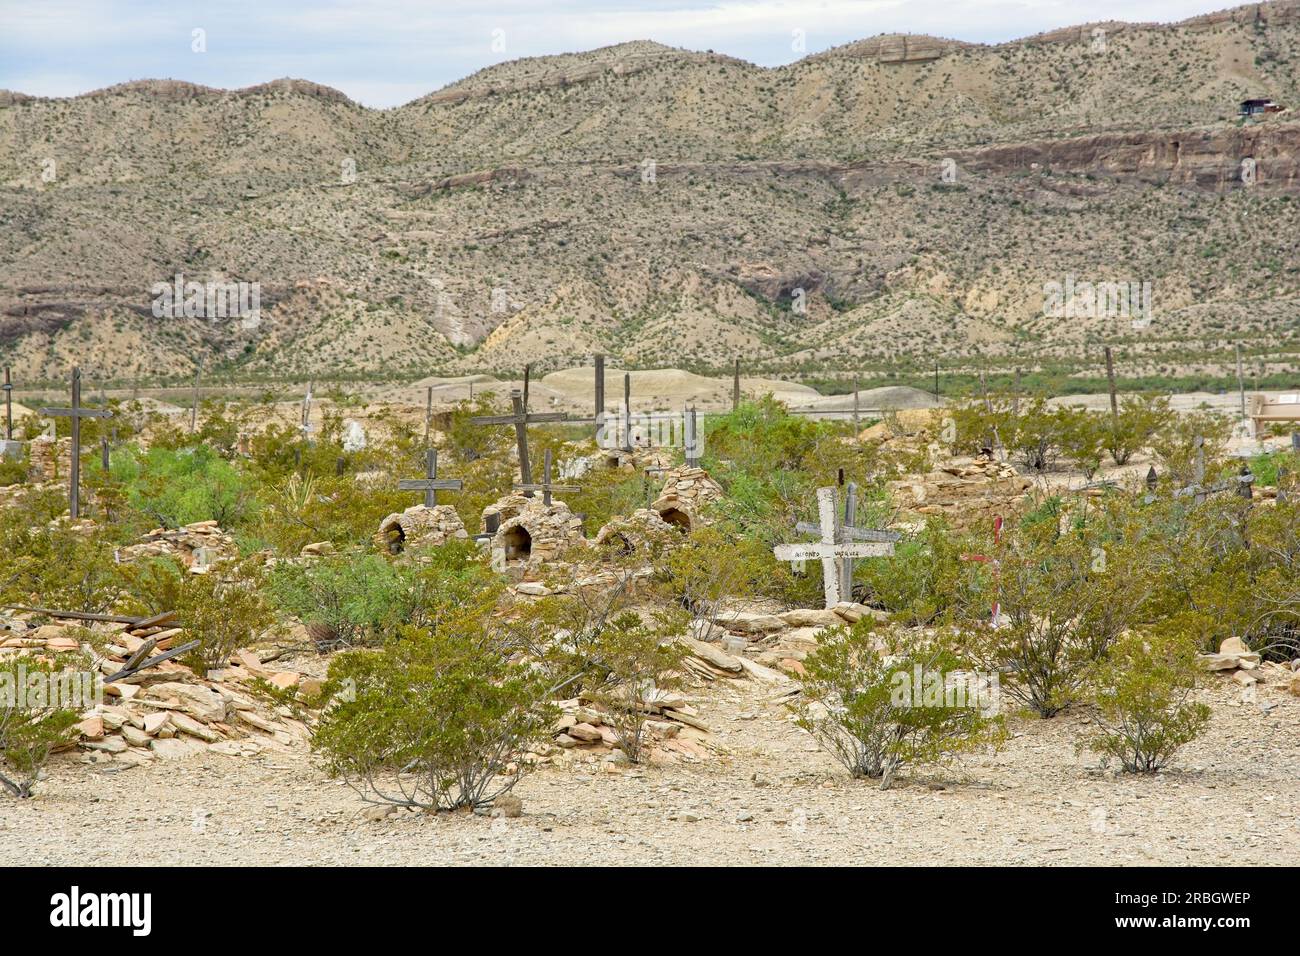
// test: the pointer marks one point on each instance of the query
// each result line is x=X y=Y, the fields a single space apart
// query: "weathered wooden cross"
x=691 y=444
x=545 y=487
x=521 y=419
x=8 y=447
x=77 y=412
x=600 y=393
x=430 y=484
x=9 y=406
x=840 y=545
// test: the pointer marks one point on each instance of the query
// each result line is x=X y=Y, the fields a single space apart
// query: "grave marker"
x=77 y=412
x=430 y=484
x=840 y=545
x=546 y=487
x=996 y=565
x=8 y=447
x=521 y=419
x=600 y=393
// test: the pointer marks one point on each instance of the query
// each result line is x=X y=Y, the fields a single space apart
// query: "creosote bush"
x=1144 y=710
x=862 y=704
x=440 y=719
x=224 y=609
x=31 y=726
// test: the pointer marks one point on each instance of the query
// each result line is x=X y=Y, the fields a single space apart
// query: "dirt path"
x=774 y=798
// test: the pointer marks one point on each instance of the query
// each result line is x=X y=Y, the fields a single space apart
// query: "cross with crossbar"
x=9 y=406
x=546 y=487
x=521 y=419
x=840 y=545
x=77 y=412
x=430 y=484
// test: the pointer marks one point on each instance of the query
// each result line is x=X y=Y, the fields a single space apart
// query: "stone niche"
x=686 y=492
x=640 y=533
x=420 y=527
x=530 y=531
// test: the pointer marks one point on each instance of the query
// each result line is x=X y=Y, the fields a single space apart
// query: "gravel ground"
x=771 y=798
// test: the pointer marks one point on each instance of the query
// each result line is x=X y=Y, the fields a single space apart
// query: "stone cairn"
x=641 y=532
x=687 y=491
x=532 y=531
x=198 y=546
x=968 y=492
x=50 y=456
x=420 y=527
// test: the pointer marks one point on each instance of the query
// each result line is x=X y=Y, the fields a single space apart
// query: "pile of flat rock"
x=1245 y=667
x=420 y=527
x=673 y=731
x=165 y=711
x=686 y=493
x=198 y=546
x=967 y=492
x=782 y=640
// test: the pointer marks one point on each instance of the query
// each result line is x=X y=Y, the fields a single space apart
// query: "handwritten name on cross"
x=839 y=547
x=77 y=412
x=521 y=419
x=546 y=487
x=430 y=484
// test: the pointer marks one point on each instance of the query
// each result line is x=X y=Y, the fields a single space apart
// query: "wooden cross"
x=428 y=413
x=77 y=412
x=600 y=393
x=194 y=398
x=430 y=484
x=1199 y=491
x=627 y=411
x=691 y=438
x=9 y=406
x=839 y=546
x=545 y=487
x=521 y=420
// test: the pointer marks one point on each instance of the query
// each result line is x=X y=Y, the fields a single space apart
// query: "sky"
x=384 y=53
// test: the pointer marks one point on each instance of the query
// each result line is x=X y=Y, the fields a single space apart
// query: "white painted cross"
x=835 y=551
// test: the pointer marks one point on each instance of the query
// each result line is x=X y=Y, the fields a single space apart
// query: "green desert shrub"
x=863 y=702
x=639 y=662
x=440 y=719
x=175 y=487
x=344 y=600
x=1144 y=707
x=224 y=610
x=1063 y=602
x=31 y=726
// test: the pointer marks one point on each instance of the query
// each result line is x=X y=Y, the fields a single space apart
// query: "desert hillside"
x=882 y=205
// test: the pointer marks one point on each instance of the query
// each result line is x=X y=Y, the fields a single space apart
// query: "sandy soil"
x=774 y=798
